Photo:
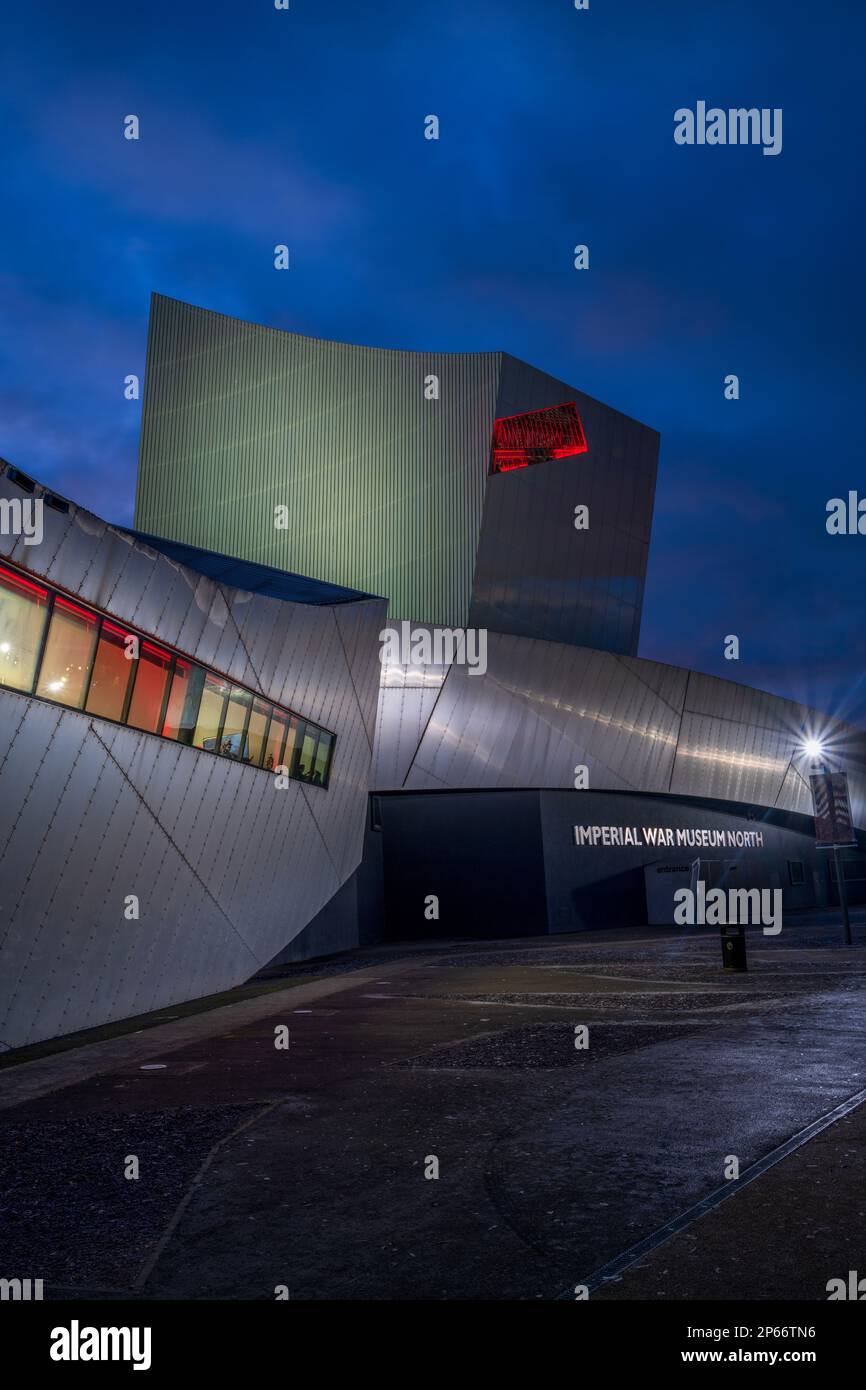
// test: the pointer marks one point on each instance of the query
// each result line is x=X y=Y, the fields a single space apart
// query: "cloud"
x=185 y=169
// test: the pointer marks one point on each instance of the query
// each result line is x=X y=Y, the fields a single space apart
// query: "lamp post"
x=843 y=895
x=817 y=755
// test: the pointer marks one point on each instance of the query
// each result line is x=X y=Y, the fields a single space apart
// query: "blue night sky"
x=260 y=126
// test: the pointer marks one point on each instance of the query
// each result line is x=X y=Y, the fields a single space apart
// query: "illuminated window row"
x=59 y=650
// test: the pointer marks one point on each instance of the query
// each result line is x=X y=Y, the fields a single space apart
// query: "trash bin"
x=734 y=948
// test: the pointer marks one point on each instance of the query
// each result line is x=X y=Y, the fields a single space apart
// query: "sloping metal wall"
x=536 y=575
x=227 y=867
x=384 y=488
x=543 y=708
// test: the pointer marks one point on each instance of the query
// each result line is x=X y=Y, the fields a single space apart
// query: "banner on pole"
x=832 y=810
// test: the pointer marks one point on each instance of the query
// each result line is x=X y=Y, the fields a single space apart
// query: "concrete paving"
x=307 y=1167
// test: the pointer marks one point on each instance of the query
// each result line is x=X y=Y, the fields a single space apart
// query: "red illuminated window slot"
x=84 y=613
x=72 y=656
x=536 y=436
x=22 y=583
x=159 y=652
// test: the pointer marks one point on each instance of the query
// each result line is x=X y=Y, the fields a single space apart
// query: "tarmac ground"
x=493 y=1120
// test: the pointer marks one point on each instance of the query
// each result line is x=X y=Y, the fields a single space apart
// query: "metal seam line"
x=351 y=676
x=411 y=764
x=679 y=732
x=687 y=1218
x=178 y=851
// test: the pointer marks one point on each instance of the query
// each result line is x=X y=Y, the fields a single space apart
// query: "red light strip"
x=73 y=608
x=22 y=583
x=13 y=578
x=157 y=651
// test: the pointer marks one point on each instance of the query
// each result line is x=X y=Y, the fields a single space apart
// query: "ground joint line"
x=152 y=1260
x=679 y=1223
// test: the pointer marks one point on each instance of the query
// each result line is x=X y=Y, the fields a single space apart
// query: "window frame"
x=166 y=694
x=262 y=699
x=127 y=698
x=39 y=584
x=193 y=666
x=243 y=733
x=71 y=601
x=279 y=757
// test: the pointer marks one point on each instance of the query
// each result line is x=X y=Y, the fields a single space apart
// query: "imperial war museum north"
x=371 y=642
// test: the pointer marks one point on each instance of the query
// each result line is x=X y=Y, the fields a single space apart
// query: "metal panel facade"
x=387 y=490
x=536 y=574
x=228 y=868
x=543 y=709
x=383 y=487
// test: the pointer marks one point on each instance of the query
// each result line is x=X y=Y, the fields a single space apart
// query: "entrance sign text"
x=663 y=836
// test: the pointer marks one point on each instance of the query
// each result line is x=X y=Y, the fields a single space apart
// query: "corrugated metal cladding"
x=384 y=488
x=542 y=709
x=228 y=867
x=536 y=575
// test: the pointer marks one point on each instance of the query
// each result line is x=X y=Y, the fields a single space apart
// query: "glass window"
x=258 y=727
x=78 y=657
x=233 y=742
x=23 y=609
x=276 y=739
x=181 y=714
x=68 y=653
x=112 y=672
x=210 y=715
x=153 y=669
x=307 y=757
x=293 y=744
x=293 y=753
x=322 y=765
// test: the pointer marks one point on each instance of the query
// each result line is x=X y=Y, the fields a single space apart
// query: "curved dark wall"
x=480 y=855
x=536 y=575
x=505 y=863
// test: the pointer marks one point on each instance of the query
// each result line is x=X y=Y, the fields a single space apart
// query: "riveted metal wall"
x=383 y=487
x=542 y=709
x=228 y=867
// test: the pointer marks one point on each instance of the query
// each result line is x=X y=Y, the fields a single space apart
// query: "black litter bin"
x=734 y=948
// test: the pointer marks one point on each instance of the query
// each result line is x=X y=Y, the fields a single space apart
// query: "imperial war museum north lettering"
x=664 y=837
